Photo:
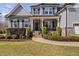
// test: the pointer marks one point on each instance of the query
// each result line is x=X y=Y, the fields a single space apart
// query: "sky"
x=7 y=7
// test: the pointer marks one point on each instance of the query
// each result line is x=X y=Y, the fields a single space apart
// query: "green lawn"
x=34 y=48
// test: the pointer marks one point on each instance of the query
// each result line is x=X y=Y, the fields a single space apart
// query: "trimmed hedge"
x=56 y=35
x=60 y=38
x=57 y=32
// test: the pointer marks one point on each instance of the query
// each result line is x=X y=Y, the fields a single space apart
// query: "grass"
x=32 y=48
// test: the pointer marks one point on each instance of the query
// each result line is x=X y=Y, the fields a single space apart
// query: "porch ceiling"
x=47 y=17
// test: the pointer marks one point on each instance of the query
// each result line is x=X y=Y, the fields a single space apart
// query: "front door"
x=36 y=25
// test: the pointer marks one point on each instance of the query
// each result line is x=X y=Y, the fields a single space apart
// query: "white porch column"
x=31 y=24
x=41 y=11
x=8 y=23
x=20 y=23
x=58 y=22
x=42 y=21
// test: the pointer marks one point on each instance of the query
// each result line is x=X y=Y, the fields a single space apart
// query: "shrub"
x=20 y=36
x=2 y=37
x=29 y=33
x=8 y=37
x=44 y=31
x=67 y=38
x=0 y=32
x=45 y=36
x=58 y=30
x=14 y=36
x=55 y=35
x=23 y=37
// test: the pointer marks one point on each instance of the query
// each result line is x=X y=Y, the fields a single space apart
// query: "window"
x=53 y=10
x=54 y=24
x=50 y=10
x=11 y=23
x=36 y=11
x=22 y=23
x=72 y=9
x=15 y=24
x=46 y=23
x=46 y=11
x=25 y=23
x=18 y=23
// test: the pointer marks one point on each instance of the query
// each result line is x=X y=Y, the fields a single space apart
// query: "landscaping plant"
x=44 y=31
x=29 y=33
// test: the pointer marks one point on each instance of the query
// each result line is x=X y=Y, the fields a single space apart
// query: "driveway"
x=75 y=44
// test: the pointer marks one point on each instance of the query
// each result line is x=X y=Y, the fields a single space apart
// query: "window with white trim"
x=15 y=23
x=46 y=10
x=26 y=23
x=36 y=11
x=50 y=10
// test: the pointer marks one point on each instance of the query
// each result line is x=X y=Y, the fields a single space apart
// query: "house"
x=18 y=20
x=44 y=14
x=69 y=19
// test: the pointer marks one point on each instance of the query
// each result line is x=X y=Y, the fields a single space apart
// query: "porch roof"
x=44 y=17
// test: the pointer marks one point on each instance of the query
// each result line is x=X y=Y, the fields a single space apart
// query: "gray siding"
x=73 y=17
x=63 y=19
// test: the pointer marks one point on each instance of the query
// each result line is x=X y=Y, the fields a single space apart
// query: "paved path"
x=75 y=44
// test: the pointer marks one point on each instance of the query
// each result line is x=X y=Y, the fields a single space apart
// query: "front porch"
x=50 y=22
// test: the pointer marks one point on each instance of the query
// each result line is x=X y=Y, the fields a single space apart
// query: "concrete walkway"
x=75 y=44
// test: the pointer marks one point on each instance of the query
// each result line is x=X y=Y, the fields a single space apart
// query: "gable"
x=19 y=11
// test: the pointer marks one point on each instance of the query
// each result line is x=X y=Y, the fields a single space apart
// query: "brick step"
x=37 y=34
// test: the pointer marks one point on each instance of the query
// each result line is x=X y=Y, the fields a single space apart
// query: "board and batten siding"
x=73 y=17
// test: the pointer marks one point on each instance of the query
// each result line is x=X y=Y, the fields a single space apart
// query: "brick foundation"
x=17 y=31
x=69 y=31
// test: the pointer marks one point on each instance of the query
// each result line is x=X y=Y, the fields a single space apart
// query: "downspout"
x=66 y=21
